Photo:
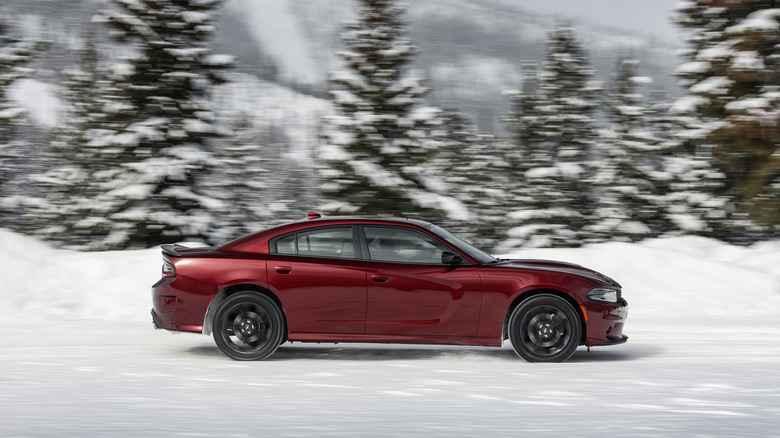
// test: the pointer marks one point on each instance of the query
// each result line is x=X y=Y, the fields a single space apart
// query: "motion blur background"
x=127 y=124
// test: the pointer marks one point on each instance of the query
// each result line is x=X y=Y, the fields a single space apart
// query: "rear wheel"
x=545 y=328
x=248 y=326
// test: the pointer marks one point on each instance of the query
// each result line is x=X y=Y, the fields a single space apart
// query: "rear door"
x=410 y=291
x=319 y=277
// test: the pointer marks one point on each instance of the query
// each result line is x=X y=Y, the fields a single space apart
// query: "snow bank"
x=701 y=359
x=677 y=278
x=40 y=283
x=662 y=279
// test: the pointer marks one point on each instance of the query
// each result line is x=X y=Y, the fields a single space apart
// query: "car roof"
x=255 y=241
x=366 y=219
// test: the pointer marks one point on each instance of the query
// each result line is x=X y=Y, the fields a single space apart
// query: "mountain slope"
x=471 y=51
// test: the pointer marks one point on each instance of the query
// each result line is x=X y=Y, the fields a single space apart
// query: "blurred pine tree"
x=53 y=215
x=732 y=73
x=143 y=131
x=375 y=149
x=554 y=129
x=627 y=178
x=15 y=54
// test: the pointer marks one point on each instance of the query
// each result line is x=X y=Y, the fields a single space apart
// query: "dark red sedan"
x=381 y=280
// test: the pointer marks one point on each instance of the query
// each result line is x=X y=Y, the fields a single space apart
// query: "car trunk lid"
x=179 y=250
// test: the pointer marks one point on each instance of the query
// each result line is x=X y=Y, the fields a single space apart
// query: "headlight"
x=603 y=295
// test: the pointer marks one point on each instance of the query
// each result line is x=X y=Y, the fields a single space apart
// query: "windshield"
x=479 y=255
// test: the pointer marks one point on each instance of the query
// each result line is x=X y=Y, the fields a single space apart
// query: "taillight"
x=167 y=269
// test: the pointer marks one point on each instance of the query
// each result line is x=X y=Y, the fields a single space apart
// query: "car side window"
x=286 y=245
x=322 y=242
x=399 y=245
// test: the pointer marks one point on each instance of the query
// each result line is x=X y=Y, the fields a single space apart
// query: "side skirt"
x=394 y=339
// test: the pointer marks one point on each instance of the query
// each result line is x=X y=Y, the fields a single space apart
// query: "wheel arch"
x=208 y=319
x=542 y=291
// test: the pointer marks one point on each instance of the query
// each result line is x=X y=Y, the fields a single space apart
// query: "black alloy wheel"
x=248 y=326
x=545 y=328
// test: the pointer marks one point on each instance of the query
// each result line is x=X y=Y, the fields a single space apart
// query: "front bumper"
x=605 y=324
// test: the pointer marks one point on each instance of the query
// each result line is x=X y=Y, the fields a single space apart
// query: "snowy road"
x=94 y=379
x=79 y=358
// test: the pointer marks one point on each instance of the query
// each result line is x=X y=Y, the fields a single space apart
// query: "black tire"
x=248 y=326
x=545 y=328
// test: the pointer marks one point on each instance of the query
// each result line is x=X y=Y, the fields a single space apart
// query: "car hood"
x=556 y=266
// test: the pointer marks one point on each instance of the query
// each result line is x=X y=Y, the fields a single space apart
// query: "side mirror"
x=450 y=258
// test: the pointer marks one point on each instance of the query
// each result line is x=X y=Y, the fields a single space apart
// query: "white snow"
x=748 y=103
x=472 y=75
x=717 y=52
x=687 y=104
x=270 y=105
x=219 y=60
x=712 y=85
x=375 y=173
x=749 y=60
x=765 y=20
x=693 y=67
x=193 y=17
x=11 y=113
x=542 y=172
x=642 y=80
x=80 y=358
x=38 y=98
x=453 y=208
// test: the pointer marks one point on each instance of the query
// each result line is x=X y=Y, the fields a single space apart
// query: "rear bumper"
x=156 y=323
x=176 y=310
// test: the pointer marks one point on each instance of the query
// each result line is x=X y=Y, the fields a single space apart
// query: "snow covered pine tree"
x=473 y=170
x=374 y=148
x=15 y=53
x=62 y=191
x=151 y=149
x=629 y=202
x=732 y=73
x=555 y=130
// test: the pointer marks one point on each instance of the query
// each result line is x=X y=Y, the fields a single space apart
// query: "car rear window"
x=321 y=242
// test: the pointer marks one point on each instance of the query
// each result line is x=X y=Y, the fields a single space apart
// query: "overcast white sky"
x=641 y=16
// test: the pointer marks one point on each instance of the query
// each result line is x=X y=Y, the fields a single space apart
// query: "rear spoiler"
x=172 y=249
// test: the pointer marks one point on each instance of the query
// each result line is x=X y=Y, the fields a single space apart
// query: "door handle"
x=380 y=278
x=283 y=269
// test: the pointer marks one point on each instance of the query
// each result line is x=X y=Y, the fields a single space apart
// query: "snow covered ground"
x=79 y=357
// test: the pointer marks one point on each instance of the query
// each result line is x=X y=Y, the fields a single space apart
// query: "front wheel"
x=248 y=326
x=544 y=328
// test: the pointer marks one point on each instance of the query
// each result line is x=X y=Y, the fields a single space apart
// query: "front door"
x=410 y=291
